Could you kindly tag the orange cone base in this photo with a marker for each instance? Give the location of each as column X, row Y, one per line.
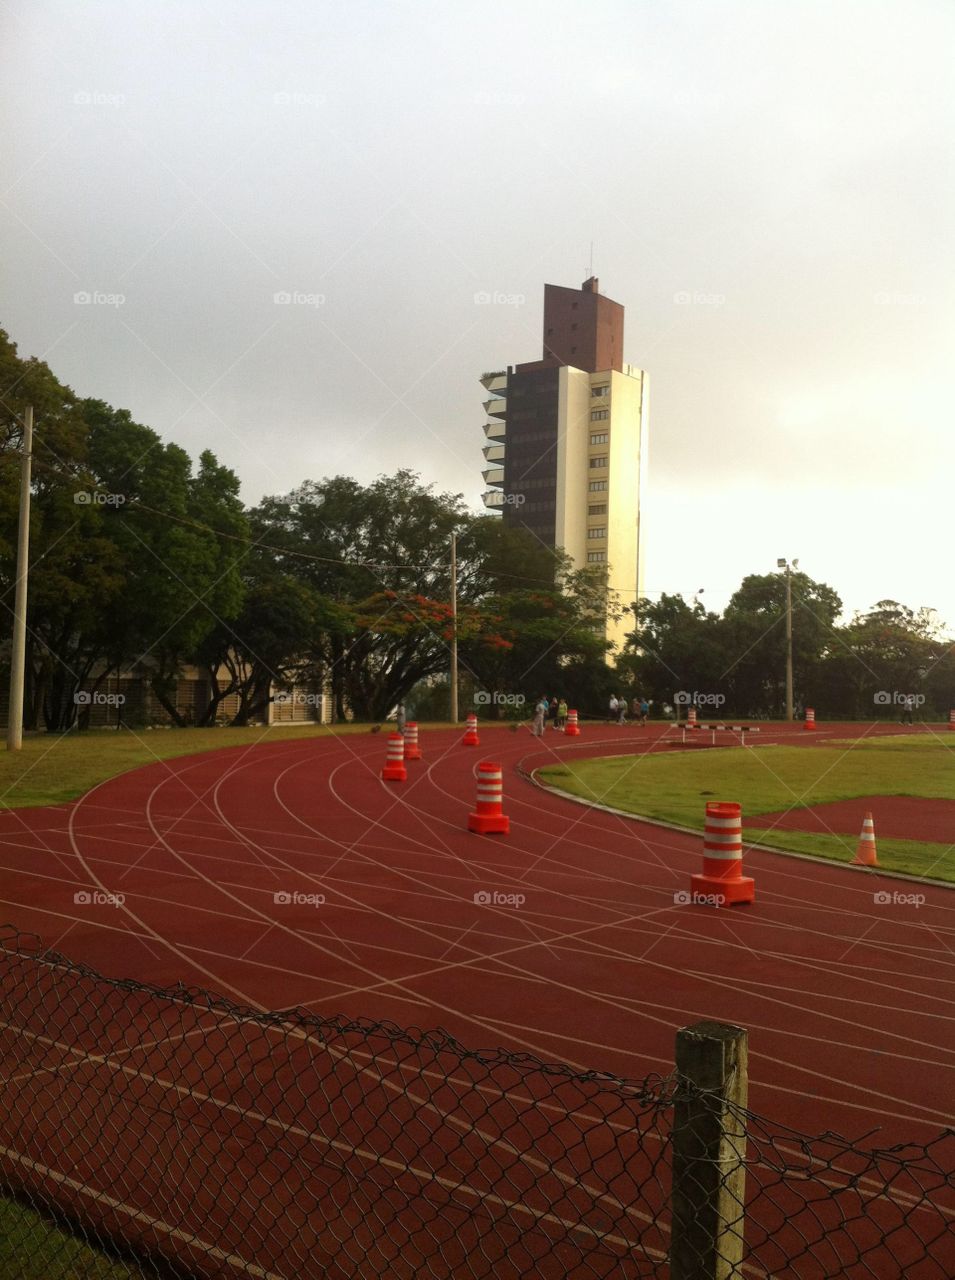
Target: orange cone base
column 575, row 732
column 412, row 753
column 732, row 892
column 470, row 740
column 865, row 856
column 394, row 773
column 489, row 824
column 810, row 727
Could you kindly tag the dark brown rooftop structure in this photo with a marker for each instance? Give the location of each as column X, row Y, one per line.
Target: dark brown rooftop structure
column 582, row 328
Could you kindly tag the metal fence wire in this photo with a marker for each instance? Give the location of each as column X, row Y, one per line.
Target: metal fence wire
column 163, row 1133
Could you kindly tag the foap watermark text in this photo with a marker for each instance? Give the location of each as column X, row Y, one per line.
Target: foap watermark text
column 686, row 698
column 95, row 298
column 496, row 698
column 688, row 298
column 295, row 697
column 684, row 898
column 98, row 898
column 289, row 898
column 485, row 298
column 92, row 498
column 494, row 898
column 83, row 698
column 896, row 899
column 297, row 298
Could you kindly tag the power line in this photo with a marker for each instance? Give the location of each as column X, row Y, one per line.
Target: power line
column 370, row 565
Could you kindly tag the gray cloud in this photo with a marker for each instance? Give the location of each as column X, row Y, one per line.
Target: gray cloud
column 200, row 158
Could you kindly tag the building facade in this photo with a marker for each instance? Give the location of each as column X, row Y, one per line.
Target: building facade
column 566, row 443
column 127, row 700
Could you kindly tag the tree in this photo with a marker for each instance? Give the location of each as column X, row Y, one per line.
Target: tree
column 355, row 544
column 676, row 648
column 754, row 636
column 270, row 644
column 76, row 571
column 125, row 565
column 542, row 640
column 882, row 657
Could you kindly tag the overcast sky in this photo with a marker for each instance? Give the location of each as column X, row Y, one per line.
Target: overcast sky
column 785, row 166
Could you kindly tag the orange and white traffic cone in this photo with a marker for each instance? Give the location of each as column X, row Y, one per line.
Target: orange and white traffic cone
column 865, row 853
column 722, row 882
column 471, row 738
column 810, row 719
column 489, row 817
column 572, row 728
column 691, row 718
column 412, row 750
column 951, row 720
column 394, row 769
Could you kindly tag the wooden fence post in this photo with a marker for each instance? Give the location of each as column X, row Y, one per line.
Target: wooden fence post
column 709, row 1147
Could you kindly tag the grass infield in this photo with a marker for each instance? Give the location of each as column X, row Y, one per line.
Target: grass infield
column 675, row 788
column 52, row 769
column 33, row 1248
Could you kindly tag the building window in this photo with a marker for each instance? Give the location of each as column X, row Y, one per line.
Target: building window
column 597, row 509
column 600, row 437
column 600, row 391
column 599, row 415
column 600, row 531
column 596, row 557
column 597, row 463
column 597, row 486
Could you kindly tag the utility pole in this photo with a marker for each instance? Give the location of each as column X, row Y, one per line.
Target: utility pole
column 454, row 628
column 18, row 654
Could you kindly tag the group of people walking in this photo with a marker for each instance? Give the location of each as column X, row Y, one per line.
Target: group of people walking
column 554, row 709
column 639, row 709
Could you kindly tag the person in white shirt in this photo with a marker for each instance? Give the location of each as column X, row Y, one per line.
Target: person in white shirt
column 540, row 718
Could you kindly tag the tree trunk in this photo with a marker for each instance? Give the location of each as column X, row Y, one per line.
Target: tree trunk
column 160, row 687
column 217, row 697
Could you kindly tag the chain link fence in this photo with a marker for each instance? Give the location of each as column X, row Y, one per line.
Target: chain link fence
column 171, row 1133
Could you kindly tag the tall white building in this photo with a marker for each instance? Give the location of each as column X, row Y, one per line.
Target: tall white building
column 566, row 450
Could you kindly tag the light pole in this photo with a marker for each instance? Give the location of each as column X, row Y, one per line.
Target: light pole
column 454, row 628
column 784, row 564
column 18, row 654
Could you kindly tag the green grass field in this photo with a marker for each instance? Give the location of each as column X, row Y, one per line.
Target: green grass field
column 33, row 1248
column 51, row 769
column 675, row 787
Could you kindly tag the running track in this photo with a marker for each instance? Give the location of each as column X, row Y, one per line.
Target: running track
column 849, row 1005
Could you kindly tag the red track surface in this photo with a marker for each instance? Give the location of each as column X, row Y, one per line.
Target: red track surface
column 848, row 1003
column 901, row 817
